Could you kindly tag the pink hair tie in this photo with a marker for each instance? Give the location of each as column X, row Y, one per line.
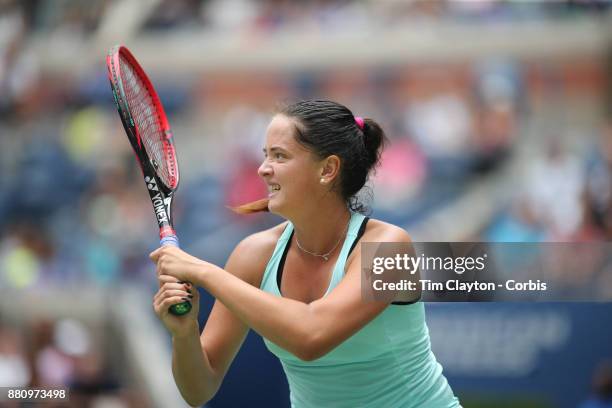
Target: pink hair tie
column 359, row 121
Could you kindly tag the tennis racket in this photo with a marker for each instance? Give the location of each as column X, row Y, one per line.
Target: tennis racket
column 147, row 129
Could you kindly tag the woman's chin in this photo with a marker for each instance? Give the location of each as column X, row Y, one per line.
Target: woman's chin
column 275, row 206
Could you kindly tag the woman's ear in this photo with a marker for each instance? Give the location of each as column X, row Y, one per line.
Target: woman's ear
column 330, row 169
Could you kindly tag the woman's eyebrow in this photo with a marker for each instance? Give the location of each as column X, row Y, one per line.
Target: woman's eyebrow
column 273, row 149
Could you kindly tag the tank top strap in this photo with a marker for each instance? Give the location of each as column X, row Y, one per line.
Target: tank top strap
column 353, row 233
column 268, row 281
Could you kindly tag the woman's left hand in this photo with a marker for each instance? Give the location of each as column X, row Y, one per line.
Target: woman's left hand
column 175, row 262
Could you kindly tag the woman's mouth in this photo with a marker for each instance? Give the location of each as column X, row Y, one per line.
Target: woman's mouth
column 273, row 189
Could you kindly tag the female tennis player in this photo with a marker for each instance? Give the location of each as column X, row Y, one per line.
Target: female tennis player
column 299, row 284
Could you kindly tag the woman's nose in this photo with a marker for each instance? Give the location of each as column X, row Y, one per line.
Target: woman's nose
column 264, row 169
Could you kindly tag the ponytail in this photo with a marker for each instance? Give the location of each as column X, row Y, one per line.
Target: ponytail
column 374, row 140
column 260, row 205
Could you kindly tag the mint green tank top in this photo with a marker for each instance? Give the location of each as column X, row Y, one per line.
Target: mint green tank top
column 386, row 364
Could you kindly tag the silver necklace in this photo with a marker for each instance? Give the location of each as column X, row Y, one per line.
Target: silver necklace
column 325, row 256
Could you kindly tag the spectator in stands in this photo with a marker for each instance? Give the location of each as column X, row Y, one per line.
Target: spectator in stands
column 602, row 388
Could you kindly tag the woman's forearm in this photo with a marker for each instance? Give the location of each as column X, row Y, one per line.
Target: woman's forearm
column 286, row 322
column 193, row 374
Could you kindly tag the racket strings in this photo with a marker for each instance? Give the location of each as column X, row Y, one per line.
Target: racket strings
column 148, row 123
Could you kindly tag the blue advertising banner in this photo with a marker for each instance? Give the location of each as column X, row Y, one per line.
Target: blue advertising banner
column 521, row 355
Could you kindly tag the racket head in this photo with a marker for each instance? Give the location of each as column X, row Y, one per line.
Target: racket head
column 143, row 117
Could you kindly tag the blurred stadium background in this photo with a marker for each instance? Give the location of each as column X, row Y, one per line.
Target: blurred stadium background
column 500, row 116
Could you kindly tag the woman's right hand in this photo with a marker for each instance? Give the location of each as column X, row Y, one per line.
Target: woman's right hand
column 172, row 292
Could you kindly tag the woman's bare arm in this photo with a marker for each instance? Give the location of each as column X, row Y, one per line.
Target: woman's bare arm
column 201, row 362
column 307, row 330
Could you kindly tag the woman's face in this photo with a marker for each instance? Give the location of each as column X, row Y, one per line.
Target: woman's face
column 290, row 171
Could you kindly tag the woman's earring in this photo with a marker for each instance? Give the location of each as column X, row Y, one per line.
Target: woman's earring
column 322, row 180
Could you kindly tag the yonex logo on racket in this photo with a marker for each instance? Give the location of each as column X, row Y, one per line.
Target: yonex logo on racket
column 151, row 184
column 159, row 204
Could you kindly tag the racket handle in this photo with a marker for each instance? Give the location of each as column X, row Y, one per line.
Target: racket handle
column 180, row 308
column 169, row 240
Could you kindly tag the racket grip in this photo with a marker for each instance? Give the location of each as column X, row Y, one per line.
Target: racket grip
column 169, row 240
column 180, row 308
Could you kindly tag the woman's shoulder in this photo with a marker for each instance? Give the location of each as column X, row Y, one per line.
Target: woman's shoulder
column 381, row 231
column 251, row 255
column 378, row 231
column 262, row 242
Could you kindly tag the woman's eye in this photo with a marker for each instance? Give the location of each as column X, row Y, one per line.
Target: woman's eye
column 278, row 156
